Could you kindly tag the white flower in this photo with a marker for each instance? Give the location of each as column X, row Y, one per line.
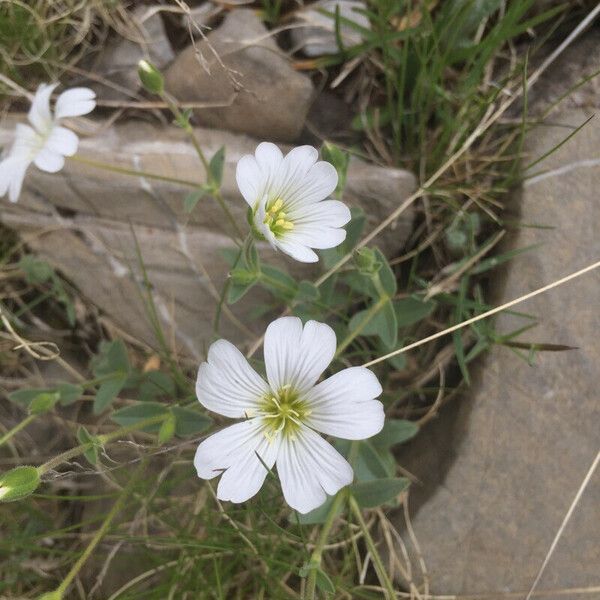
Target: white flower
column 283, row 415
column 45, row 143
column 287, row 198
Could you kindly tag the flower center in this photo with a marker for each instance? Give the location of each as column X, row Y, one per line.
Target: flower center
column 275, row 218
column 283, row 411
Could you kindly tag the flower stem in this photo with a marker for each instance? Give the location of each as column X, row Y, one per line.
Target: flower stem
column 102, row 439
column 133, row 172
column 16, row 429
column 117, row 506
column 215, row 185
column 317, row 553
column 372, row 312
column 377, row 562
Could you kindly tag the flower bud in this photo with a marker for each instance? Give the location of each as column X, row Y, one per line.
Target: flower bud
column 18, row 483
column 151, row 77
column 243, row 276
column 43, row 402
column 366, row 261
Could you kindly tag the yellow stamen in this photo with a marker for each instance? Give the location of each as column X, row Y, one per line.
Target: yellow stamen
column 275, row 218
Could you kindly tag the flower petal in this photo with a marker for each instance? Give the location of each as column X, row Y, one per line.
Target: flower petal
column 48, row 160
column 297, row 250
column 245, row 478
column 343, row 405
column 62, row 141
column 227, row 384
column 292, row 172
column 27, row 142
column 75, row 102
column 332, row 213
column 12, row 173
column 268, row 157
column 249, row 180
column 309, row 468
column 39, row 114
column 320, row 237
column 233, row 452
column 319, row 182
column 255, row 174
column 297, row 356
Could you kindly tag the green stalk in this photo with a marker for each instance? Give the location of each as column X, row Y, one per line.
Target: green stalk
column 102, row 439
column 317, row 553
column 216, row 192
column 135, row 173
column 379, row 568
column 16, row 429
column 357, row 331
column 117, row 506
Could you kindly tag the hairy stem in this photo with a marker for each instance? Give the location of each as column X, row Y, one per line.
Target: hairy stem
column 216, row 192
column 317, row 553
column 16, row 429
column 371, row 313
column 117, row 506
column 102, row 439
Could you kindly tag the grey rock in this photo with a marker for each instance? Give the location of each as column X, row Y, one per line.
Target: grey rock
column 315, row 34
column 87, row 223
column 500, row 467
column 118, row 59
column 245, row 81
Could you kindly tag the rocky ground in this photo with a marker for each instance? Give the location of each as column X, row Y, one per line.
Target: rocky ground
column 500, row 468
column 496, row 471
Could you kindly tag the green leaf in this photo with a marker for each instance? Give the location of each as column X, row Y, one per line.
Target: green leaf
column 369, row 494
column 111, row 359
column 242, row 280
column 369, row 463
column 167, row 429
column 36, row 271
column 322, row 580
column 382, row 323
column 130, row 415
column 307, row 292
column 155, row 384
column 318, row 515
column 324, row 583
column 26, row 397
column 215, row 166
column 398, row 361
column 189, row 422
column 386, row 275
column 354, row 231
column 18, row 483
column 69, row 393
column 107, row 392
column 339, row 159
column 190, row 201
column 412, row 310
column 85, row 437
column 43, row 402
column 395, row 431
column 278, row 282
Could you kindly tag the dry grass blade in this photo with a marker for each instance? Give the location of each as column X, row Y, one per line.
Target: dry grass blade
column 561, row 529
column 485, row 315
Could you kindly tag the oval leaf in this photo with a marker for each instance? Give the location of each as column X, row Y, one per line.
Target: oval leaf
column 370, row 494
